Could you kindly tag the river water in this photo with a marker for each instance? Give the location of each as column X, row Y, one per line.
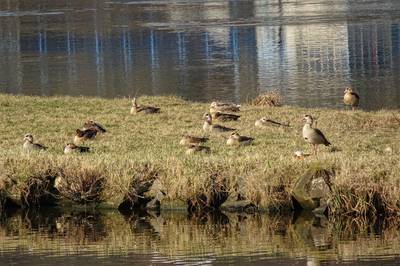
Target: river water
column 309, row 50
column 54, row 237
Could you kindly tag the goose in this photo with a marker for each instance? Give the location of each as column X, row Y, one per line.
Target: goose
column 72, row 148
column 208, row 126
column 224, row 117
column 265, row 122
column 90, row 124
column 145, row 109
column 83, row 135
column 29, row 145
column 188, row 140
column 224, row 107
column 351, row 98
column 312, row 135
column 236, row 139
column 196, row 149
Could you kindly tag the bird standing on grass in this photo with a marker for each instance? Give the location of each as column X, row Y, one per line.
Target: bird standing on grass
column 351, row 98
column 29, row 145
column 312, row 135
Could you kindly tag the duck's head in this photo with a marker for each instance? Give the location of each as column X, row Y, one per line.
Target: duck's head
column 70, row 146
column 308, row 119
column 348, row 90
column 235, row 135
column 28, row 137
column 207, row 117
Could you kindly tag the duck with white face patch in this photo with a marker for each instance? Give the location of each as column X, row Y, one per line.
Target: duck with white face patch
column 143, row 109
column 236, row 139
column 30, row 145
column 192, row 140
column 208, row 125
column 312, row 135
column 351, row 98
column 72, row 148
column 224, row 107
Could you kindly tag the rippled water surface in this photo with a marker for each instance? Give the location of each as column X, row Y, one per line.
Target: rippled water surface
column 202, row 50
column 91, row 238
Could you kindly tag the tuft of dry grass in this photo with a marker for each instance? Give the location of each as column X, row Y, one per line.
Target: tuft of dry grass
column 81, row 185
column 263, row 173
column 270, row 98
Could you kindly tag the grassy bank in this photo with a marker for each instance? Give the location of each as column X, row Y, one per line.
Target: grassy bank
column 360, row 160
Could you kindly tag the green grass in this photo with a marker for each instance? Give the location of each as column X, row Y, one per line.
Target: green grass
column 134, row 140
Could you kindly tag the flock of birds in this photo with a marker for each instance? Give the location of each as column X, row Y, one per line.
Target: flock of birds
column 219, row 111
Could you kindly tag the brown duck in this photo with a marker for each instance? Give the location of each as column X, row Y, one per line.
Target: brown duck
column 72, row 148
column 144, row 109
column 30, row 145
column 191, row 149
column 83, row 135
column 312, row 135
column 224, row 117
column 351, row 98
column 224, row 107
column 90, row 124
column 236, row 139
column 208, row 126
column 192, row 140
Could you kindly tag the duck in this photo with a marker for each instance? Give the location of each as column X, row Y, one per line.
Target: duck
column 191, row 149
column 208, row 126
column 236, row 139
column 192, row 140
column 72, row 148
column 312, row 135
column 145, row 109
column 265, row 122
column 83, row 135
column 224, row 116
column 224, row 107
column 90, row 124
column 29, row 145
column 351, row 98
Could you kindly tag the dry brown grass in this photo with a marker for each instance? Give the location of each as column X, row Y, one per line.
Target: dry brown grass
column 270, row 98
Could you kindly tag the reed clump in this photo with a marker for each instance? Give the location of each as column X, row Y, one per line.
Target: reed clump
column 142, row 182
column 39, row 190
column 270, row 98
column 81, row 186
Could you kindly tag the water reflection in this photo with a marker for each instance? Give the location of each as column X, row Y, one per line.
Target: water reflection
column 203, row 50
column 174, row 237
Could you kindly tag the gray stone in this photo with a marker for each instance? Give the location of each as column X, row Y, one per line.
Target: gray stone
column 312, row 190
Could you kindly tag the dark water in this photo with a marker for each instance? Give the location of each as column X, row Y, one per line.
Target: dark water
column 202, row 50
column 54, row 237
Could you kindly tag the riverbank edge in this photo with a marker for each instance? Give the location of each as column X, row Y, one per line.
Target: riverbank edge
column 211, row 196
